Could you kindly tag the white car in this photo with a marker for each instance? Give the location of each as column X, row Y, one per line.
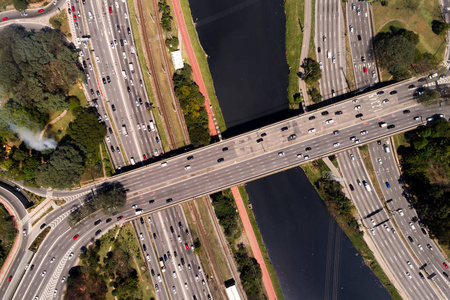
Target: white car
column 336, row 144
column 351, row 28
column 187, row 167
column 148, row 257
column 372, row 221
column 106, row 117
column 43, row 273
column 357, row 107
column 70, row 256
column 141, row 236
column 412, row 225
column 179, row 239
column 196, row 277
column 387, row 228
column 385, row 100
column 126, row 16
column 52, row 260
column 131, row 82
column 117, row 5
column 138, row 126
column 97, row 59
column 174, row 274
column 352, row 156
column 186, row 286
column 133, row 51
column 159, row 278
column 320, row 64
column 312, row 130
column 372, row 230
column 134, row 206
column 125, row 41
column 357, row 141
column 364, row 132
column 90, row 67
column 306, row 157
column 334, row 59
column 329, row 121
column 174, row 290
column 355, row 100
column 299, row 155
column 400, row 211
column 54, row 292
column 409, row 275
column 380, row 161
column 281, row 153
column 63, row 279
column 420, row 246
column 179, row 267
column 410, row 264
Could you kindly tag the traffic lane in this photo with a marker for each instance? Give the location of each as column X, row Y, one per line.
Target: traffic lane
column 15, row 198
column 390, row 245
column 33, row 13
column 431, row 257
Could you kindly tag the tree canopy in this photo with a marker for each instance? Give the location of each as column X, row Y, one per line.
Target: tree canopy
column 86, row 129
column 312, row 71
column 429, row 97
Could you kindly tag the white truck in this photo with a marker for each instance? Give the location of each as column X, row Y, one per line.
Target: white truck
column 124, row 74
column 124, row 130
column 367, row 186
column 131, row 67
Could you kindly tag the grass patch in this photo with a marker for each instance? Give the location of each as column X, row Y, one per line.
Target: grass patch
column 35, row 198
column 418, row 20
column 333, row 159
column 61, row 23
column 348, row 224
column 77, row 91
column 39, row 239
column 270, row 269
column 212, row 240
column 109, row 170
column 349, row 74
column 58, row 129
column 143, row 64
column 44, row 214
column 295, row 14
column 312, row 46
column 364, row 151
column 203, row 64
column 8, row 233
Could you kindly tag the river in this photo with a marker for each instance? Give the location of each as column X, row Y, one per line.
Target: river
column 313, row 258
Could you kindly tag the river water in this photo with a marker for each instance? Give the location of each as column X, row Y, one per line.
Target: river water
column 313, row 258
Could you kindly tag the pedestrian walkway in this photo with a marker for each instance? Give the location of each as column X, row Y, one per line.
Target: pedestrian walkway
column 253, row 243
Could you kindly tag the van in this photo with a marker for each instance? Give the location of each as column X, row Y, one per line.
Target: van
column 124, row 55
column 132, row 161
column 328, row 54
column 386, row 148
column 124, row 74
column 382, row 124
column 90, row 15
column 152, row 126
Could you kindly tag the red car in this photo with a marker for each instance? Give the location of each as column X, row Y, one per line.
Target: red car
column 75, row 237
column 5, row 19
column 40, row 11
column 119, row 218
column 73, row 9
column 445, row 265
column 144, row 157
column 110, row 10
column 9, row 279
column 186, row 245
column 365, row 70
column 75, row 17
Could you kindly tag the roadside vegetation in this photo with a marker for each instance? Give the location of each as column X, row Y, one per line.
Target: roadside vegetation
column 8, row 233
column 111, row 269
column 426, row 170
column 37, row 73
column 39, row 239
column 249, row 269
column 294, row 37
column 192, row 102
column 343, row 211
column 408, row 26
column 61, row 22
column 110, row 200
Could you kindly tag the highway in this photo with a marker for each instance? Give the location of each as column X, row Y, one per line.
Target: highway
column 330, row 39
column 360, row 38
column 374, row 219
column 399, row 209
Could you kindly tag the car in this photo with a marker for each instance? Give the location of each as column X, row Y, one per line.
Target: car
column 423, row 230
column 308, row 149
column 412, row 225
column 378, row 142
column 420, row 246
column 393, row 92
column 284, row 128
column 351, row 28
column 306, row 157
column 281, row 153
column 125, row 42
column 189, row 267
column 429, row 247
column 329, row 121
column 357, row 141
column 386, row 227
column 299, row 155
column 108, row 79
column 421, row 275
column 203, row 282
column 156, row 288
column 75, row 237
column 186, row 246
column 125, row 15
column 358, row 181
column 385, row 101
column 357, row 107
column 355, row 100
column 224, row 149
column 352, row 157
column 320, row 65
column 292, row 137
column 445, row 274
column 311, row 130
column 52, row 259
column 110, row 10
column 410, row 239
column 138, row 126
column 169, row 200
column 10, row 278
column 365, row 70
column 104, row 80
column 128, row 89
column 364, row 132
column 190, row 157
column 43, row 273
column 374, row 74
column 351, row 187
column 380, row 92
column 97, row 59
column 220, row 160
column 324, row 113
column 334, row 59
column 318, row 49
column 388, row 185
column 336, row 144
column 408, row 274
column 380, row 161
column 337, row 113
column 442, row 76
column 92, row 92
column 40, row 11
column 179, row 267
column 336, row 132
column 391, row 126
column 412, row 86
column 406, row 111
column 358, row 11
column 259, row 140
column 359, row 116
column 352, row 138
column 445, row 265
column 187, row 167
column 417, row 118
column 174, row 290
column 393, row 230
column 63, row 279
column 144, row 157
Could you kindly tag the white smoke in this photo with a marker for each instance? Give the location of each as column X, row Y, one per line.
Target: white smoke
column 32, row 139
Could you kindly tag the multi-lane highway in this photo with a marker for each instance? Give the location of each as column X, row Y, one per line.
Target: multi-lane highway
column 360, row 38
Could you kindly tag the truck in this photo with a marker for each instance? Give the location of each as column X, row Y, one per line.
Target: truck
column 161, row 264
column 152, row 126
column 124, row 130
column 131, row 67
column 367, row 186
column 124, row 74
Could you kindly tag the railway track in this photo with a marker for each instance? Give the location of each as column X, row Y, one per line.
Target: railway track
column 168, row 128
column 167, row 66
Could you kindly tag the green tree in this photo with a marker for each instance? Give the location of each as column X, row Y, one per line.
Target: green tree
column 429, row 97
column 64, row 168
column 312, row 71
column 112, row 201
column 20, row 5
column 86, row 129
column 315, row 95
column 394, row 50
column 439, row 27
